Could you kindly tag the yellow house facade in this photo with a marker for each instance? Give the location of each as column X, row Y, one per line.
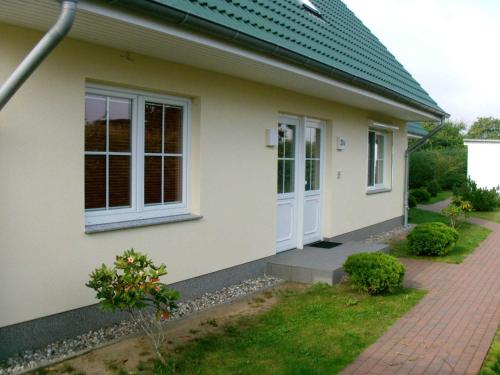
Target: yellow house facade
column 210, row 157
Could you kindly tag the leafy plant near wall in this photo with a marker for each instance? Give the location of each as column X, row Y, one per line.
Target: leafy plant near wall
column 480, row 198
column 456, row 210
column 133, row 285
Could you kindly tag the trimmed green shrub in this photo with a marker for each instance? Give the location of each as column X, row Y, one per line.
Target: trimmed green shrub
column 375, row 273
column 434, row 239
column 421, row 195
column 433, row 188
column 412, row 201
column 480, row 199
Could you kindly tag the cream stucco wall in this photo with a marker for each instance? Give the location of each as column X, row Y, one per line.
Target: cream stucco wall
column 46, row 256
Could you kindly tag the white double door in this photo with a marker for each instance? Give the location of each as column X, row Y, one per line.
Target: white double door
column 300, row 166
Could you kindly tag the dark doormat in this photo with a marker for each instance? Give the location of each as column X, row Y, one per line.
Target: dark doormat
column 325, row 244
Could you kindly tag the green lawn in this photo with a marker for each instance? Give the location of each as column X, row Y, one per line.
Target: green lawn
column 470, row 236
column 491, row 216
column 441, row 196
column 317, row 331
column 491, row 364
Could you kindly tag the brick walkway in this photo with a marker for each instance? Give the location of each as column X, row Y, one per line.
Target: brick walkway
column 451, row 329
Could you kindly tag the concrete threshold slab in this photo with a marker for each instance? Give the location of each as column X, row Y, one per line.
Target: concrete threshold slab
column 312, row 265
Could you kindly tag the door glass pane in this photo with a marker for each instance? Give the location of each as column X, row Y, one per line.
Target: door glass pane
column 371, row 158
column 172, row 187
column 119, row 181
column 153, row 127
column 286, row 159
column 281, row 140
column 173, row 130
column 289, row 185
column 119, row 124
column 315, row 169
column 95, row 123
column 315, row 143
column 95, row 181
column 308, row 175
column 289, row 141
column 281, row 169
column 152, row 179
column 307, row 138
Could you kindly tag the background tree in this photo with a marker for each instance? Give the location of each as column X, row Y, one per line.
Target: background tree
column 451, row 136
column 443, row 159
column 485, row 128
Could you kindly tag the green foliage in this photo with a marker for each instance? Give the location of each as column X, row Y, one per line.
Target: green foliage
column 133, row 283
column 433, row 188
column 485, row 128
column 470, row 236
column 421, row 195
column 412, row 201
column 317, row 331
column 456, row 210
column 447, row 166
column 375, row 273
column 434, row 239
column 422, row 168
column 450, row 137
column 482, row 199
column 491, row 365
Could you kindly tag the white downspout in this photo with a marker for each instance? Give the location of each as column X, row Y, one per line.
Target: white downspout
column 50, row 40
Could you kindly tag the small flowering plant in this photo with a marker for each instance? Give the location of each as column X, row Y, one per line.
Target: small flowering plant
column 133, row 285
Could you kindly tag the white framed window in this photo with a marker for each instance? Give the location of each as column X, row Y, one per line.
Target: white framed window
column 377, row 159
column 136, row 155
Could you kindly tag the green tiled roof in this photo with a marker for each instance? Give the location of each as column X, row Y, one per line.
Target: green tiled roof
column 416, row 128
column 337, row 39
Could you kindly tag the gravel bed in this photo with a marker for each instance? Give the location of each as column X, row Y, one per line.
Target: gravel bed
column 60, row 350
column 387, row 237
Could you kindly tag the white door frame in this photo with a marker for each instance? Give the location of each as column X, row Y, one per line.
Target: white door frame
column 300, row 173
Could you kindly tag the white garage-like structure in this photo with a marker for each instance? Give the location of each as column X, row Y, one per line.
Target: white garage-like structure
column 483, row 165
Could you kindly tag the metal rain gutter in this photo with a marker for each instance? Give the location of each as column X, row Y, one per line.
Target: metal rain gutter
column 38, row 54
column 196, row 23
column 408, row 152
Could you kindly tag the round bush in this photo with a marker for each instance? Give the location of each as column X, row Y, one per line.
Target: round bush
column 412, row 201
column 435, row 239
column 421, row 195
column 433, row 188
column 375, row 273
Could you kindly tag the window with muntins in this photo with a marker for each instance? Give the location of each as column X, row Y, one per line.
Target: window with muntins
column 376, row 158
column 135, row 156
column 286, row 158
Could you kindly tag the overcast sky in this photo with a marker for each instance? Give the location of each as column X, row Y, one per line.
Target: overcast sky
column 452, row 47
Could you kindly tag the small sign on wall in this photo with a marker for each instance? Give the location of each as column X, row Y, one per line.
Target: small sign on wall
column 341, row 143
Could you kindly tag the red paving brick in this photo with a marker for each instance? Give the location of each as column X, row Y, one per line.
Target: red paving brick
column 451, row 329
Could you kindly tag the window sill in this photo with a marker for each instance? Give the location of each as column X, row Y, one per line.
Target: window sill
column 378, row 191
column 98, row 228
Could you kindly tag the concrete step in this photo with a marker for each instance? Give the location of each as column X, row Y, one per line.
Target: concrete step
column 313, row 265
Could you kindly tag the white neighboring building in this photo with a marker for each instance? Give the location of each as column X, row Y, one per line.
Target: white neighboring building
column 483, row 165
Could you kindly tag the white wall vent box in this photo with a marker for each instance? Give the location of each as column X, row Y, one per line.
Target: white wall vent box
column 272, row 137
